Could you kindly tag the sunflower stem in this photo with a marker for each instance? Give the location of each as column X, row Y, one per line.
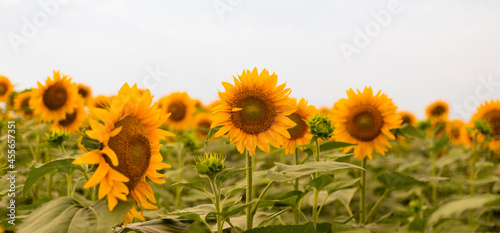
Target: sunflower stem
column 178, row 190
column 296, row 188
column 316, row 192
column 374, row 207
column 434, row 183
column 69, row 179
column 362, row 202
column 473, row 172
column 249, row 164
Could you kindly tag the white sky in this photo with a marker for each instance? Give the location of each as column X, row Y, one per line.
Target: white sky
column 430, row 50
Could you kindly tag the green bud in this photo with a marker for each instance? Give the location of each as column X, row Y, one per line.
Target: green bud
column 483, row 127
column 189, row 139
column 424, row 125
column 56, row 137
column 210, row 164
column 321, row 127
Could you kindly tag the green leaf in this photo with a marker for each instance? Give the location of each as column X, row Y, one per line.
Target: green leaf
column 396, row 180
column 226, row 174
column 197, row 213
column 198, row 185
column 271, row 217
column 306, row 228
column 211, row 133
column 233, row 189
column 333, row 145
column 345, row 195
column 291, row 198
column 343, row 228
column 453, row 209
column 58, row 165
column 440, row 143
column 409, row 131
column 320, row 182
column 35, row 204
column 290, row 172
column 418, row 224
column 163, row 225
column 67, row 215
column 340, row 184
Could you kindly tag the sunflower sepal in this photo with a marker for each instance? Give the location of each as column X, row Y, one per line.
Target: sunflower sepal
column 321, row 128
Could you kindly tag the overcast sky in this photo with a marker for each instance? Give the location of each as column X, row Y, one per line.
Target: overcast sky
column 415, row 51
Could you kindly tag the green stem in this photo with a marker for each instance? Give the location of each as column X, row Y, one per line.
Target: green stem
column 473, row 172
column 178, row 190
column 218, row 207
column 69, row 179
column 434, row 182
column 296, row 188
column 363, row 192
column 249, row 194
column 316, row 192
column 376, row 205
column 254, row 209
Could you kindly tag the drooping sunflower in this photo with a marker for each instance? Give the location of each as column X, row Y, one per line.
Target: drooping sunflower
column 253, row 112
column 55, row 99
column 437, row 111
column 22, row 104
column 489, row 111
column 457, row 132
column 201, row 124
column 85, row 92
column 299, row 134
column 181, row 108
column 5, row 88
column 130, row 137
column 366, row 120
column 73, row 121
column 407, row 118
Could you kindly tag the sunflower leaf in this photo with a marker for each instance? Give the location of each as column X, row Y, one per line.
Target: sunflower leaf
column 156, row 226
column 396, row 180
column 340, row 184
column 198, row 185
column 211, row 133
column 331, row 145
column 290, row 172
column 35, row 173
column 321, row 182
column 409, row 131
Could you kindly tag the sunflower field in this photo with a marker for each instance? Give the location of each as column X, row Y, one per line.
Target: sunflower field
column 256, row 160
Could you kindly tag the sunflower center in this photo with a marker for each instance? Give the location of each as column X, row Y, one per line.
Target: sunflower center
column 204, row 126
column 83, row 92
column 299, row 130
column 132, row 148
column 70, row 118
column 25, row 106
column 406, row 120
column 365, row 123
column 178, row 111
column 494, row 119
column 257, row 114
column 438, row 110
column 455, row 133
column 3, row 88
column 55, row 96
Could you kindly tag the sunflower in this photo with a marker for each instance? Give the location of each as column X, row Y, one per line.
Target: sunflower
column 5, row 88
column 73, row 121
column 299, row 134
column 365, row 120
column 407, row 118
column 325, row 111
column 437, row 111
column 101, row 101
column 456, row 132
column 130, row 149
column 55, row 99
column 182, row 109
column 201, row 124
column 253, row 111
column 85, row 92
column 490, row 111
column 21, row 104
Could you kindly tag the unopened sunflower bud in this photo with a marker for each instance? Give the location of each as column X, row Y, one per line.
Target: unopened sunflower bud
column 321, row 127
column 210, row 164
column 483, row 127
column 424, row 125
column 56, row 137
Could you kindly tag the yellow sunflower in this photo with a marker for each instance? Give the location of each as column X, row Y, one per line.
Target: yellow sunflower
column 5, row 88
column 325, row 111
column 457, row 132
column 85, row 92
column 366, row 120
column 182, row 109
column 437, row 111
column 73, row 121
column 130, row 137
column 101, row 101
column 21, row 104
column 201, row 124
column 299, row 134
column 253, row 111
column 55, row 99
column 490, row 111
column 407, row 118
